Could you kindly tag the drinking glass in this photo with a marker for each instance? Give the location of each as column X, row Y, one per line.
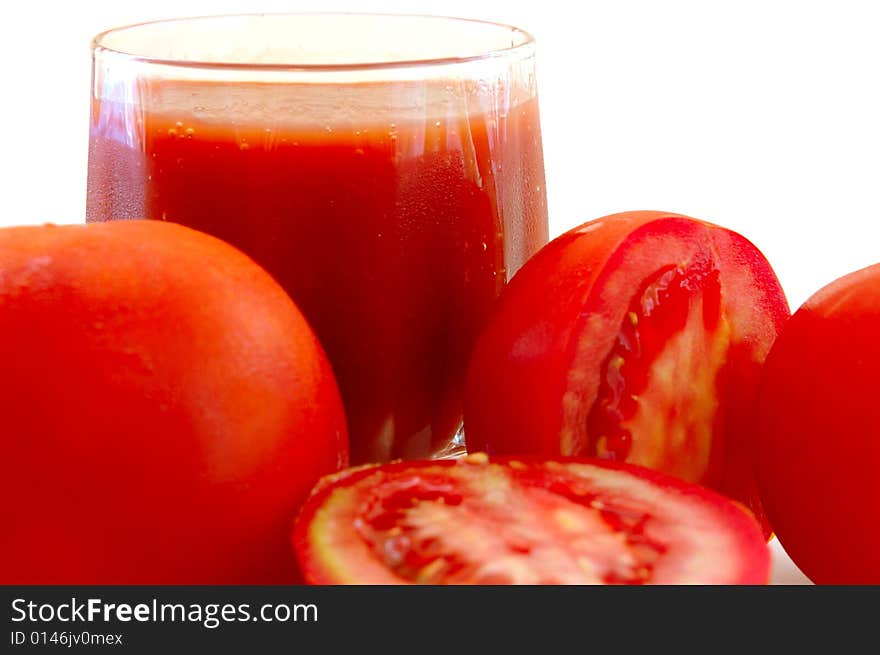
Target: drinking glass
column 387, row 170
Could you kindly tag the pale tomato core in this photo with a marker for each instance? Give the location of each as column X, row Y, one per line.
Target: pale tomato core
column 522, row 521
column 657, row 402
column 509, row 532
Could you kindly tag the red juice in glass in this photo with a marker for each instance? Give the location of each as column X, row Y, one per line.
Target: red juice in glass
column 392, row 207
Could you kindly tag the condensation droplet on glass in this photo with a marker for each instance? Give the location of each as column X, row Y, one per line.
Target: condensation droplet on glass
column 190, row 132
column 485, row 246
column 172, row 131
column 199, row 108
column 244, row 145
column 437, row 124
column 179, row 124
column 328, row 129
column 359, row 151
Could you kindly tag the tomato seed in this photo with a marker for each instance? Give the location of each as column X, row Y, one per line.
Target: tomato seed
column 657, row 311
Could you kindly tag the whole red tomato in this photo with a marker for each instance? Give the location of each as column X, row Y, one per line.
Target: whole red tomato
column 637, row 337
column 523, row 521
column 165, row 409
column 818, row 436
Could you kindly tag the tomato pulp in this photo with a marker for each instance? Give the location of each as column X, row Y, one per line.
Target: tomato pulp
column 523, row 521
column 394, row 233
column 638, row 337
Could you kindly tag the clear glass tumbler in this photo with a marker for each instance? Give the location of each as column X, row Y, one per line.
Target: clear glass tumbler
column 386, row 170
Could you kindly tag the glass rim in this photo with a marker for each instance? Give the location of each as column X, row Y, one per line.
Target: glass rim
column 527, row 43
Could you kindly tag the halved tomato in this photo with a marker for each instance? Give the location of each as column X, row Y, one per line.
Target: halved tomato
column 637, row 337
column 523, row 521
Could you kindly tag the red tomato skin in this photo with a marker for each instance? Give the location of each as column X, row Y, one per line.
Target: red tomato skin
column 520, row 396
column 165, row 409
column 534, row 345
column 755, row 556
column 817, row 427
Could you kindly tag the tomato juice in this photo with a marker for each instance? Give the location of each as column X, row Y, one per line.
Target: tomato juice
column 393, row 214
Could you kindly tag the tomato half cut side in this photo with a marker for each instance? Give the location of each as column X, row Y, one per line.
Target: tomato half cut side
column 639, row 338
column 524, row 521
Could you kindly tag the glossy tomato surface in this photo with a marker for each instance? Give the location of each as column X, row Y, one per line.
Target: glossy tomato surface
column 637, row 337
column 165, row 409
column 524, row 521
column 818, row 429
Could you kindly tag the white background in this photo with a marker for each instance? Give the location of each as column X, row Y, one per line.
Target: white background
column 762, row 116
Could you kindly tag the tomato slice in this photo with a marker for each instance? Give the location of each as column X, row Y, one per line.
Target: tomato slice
column 524, row 521
column 637, row 338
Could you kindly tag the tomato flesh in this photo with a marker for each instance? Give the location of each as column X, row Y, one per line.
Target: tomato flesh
column 521, row 521
column 638, row 337
column 658, row 312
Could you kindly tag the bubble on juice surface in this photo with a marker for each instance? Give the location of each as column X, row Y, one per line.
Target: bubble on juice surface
column 314, row 105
